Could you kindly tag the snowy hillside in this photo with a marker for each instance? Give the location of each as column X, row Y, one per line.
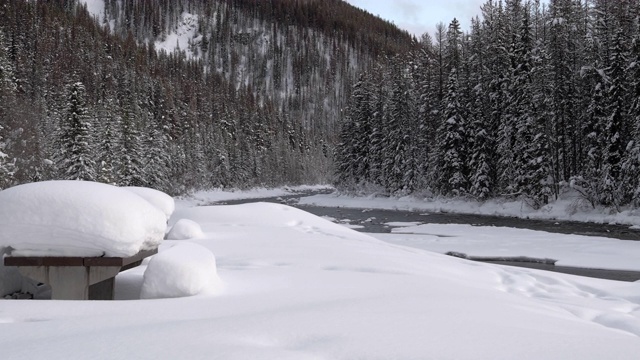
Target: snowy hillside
column 280, row 51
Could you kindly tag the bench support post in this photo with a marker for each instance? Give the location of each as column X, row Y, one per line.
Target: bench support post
column 77, row 278
column 73, row 282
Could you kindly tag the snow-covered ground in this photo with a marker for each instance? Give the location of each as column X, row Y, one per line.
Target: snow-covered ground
column 291, row 285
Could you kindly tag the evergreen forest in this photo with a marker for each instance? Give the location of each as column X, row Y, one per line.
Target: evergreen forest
column 252, row 97
column 533, row 101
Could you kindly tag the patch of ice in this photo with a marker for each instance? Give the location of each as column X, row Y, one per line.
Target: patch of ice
column 403, row 223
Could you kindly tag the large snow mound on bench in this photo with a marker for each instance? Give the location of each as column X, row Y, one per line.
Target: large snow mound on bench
column 186, row 269
column 77, row 218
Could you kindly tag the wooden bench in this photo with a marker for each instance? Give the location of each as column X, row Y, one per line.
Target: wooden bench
column 77, row 278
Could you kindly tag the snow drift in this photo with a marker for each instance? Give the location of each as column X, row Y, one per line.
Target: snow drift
column 184, row 270
column 160, row 200
column 185, row 229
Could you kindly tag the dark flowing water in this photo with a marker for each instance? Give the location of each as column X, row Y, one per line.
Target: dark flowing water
column 374, row 220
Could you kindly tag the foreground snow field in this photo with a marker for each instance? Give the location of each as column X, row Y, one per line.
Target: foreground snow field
column 296, row 286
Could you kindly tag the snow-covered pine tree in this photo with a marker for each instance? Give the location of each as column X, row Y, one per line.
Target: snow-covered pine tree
column 565, row 36
column 425, row 74
column 452, row 138
column 519, row 110
column 108, row 125
column 75, row 157
column 453, row 49
column 411, row 160
column 507, row 167
column 452, row 178
column 156, row 142
column 541, row 182
column 352, row 152
column 7, row 89
column 376, row 139
column 7, row 81
column 616, row 137
column 588, row 182
column 497, row 64
column 131, row 154
column 526, row 109
column 398, row 164
column 481, row 182
column 631, row 162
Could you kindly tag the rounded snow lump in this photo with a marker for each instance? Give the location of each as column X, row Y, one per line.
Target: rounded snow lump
column 185, row 229
column 157, row 198
column 183, row 270
column 77, row 218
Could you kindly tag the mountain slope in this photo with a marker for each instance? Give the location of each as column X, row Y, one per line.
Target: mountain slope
column 303, row 55
column 249, row 100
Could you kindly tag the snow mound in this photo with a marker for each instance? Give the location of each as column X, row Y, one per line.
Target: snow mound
column 183, row 270
column 185, row 229
column 157, row 198
column 77, row 218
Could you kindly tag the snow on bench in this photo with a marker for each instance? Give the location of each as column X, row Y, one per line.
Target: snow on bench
column 75, row 235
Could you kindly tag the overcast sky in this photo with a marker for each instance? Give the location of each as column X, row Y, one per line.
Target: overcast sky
column 420, row 16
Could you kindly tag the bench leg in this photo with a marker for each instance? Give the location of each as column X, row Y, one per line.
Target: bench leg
column 67, row 282
column 103, row 290
column 73, row 282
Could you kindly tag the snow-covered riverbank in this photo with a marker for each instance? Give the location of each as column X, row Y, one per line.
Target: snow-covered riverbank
column 570, row 207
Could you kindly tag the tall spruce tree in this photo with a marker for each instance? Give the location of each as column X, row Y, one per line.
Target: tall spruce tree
column 562, row 52
column 616, row 126
column 631, row 163
column 452, row 179
column 481, row 183
column 156, row 142
column 131, row 154
column 75, row 157
column 399, row 163
column 352, row 158
column 425, row 73
column 378, row 127
column 495, row 94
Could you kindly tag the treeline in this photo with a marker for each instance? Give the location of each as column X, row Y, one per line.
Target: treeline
column 532, row 101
